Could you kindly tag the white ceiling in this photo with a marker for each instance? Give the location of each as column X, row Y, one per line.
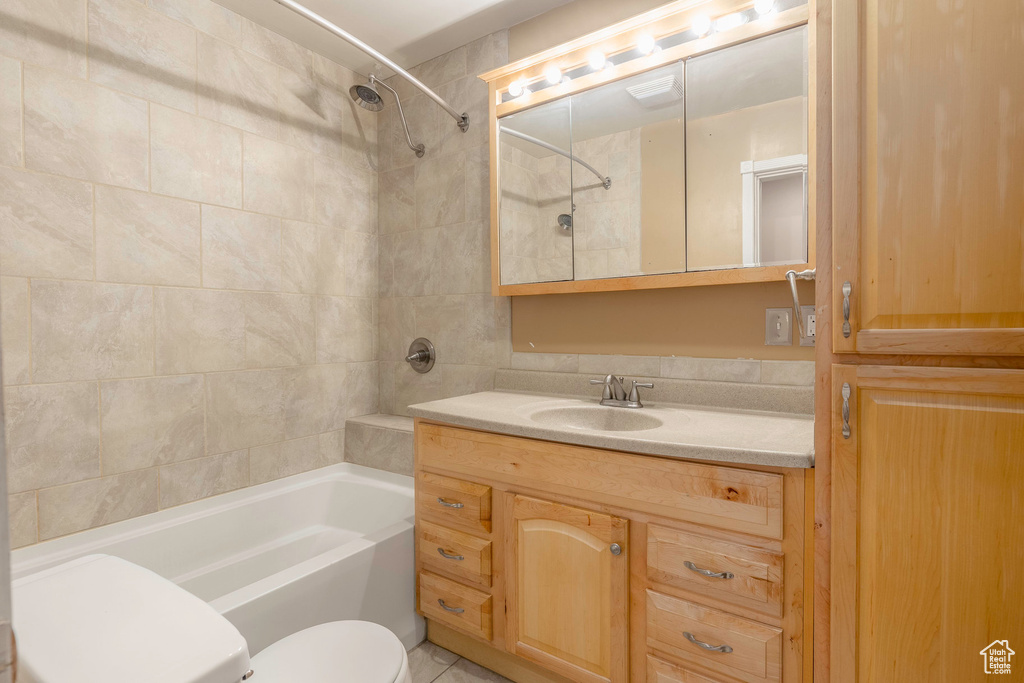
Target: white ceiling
column 408, row 31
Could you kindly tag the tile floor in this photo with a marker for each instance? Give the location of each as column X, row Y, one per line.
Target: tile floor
column 433, row 664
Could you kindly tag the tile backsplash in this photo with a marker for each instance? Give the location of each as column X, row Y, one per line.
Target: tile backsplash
column 741, row 370
column 188, row 258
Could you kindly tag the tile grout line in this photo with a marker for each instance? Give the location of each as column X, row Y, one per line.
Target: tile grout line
column 21, row 74
column 94, row 250
column 36, row 498
column 99, row 424
column 28, row 314
column 438, row 676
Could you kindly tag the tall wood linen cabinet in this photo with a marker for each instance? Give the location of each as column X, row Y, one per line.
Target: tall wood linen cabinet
column 926, row 548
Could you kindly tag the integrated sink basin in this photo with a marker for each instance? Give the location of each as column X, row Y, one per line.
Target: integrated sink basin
column 597, row 418
column 667, row 430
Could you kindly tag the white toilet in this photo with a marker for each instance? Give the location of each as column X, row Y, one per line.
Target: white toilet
column 101, row 619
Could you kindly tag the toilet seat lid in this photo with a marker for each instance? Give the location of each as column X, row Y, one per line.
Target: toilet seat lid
column 100, row 619
column 336, row 652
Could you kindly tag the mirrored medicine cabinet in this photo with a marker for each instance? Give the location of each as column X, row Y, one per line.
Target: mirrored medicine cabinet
column 685, row 166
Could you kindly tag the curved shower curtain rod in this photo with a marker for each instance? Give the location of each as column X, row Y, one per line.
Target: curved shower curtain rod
column 461, row 119
column 605, row 180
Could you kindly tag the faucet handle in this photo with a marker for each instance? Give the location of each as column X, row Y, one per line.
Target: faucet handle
column 607, row 382
column 634, row 395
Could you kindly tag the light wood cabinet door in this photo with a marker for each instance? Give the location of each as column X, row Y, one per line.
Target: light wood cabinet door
column 928, row 523
column 567, row 593
column 928, row 225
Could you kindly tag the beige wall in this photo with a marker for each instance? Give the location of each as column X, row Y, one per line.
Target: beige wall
column 723, row 321
column 188, row 254
column 715, row 322
column 717, row 145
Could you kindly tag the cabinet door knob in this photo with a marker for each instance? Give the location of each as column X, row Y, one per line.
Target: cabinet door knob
column 616, row 549
column 707, row 572
column 710, row 648
column 453, row 610
column 450, row 557
column 444, row 502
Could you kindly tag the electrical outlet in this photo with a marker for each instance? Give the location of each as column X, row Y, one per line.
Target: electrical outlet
column 809, row 322
column 778, row 327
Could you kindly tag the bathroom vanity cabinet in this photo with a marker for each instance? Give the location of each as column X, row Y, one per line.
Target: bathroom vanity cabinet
column 553, row 562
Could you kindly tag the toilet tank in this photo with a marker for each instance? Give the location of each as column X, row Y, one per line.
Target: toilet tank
column 101, row 619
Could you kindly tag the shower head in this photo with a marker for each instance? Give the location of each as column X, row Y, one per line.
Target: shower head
column 565, row 221
column 366, row 96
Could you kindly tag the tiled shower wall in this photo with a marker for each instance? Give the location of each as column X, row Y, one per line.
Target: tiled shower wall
column 188, row 252
column 435, row 235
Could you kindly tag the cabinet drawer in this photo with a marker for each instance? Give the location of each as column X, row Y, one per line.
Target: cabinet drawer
column 756, row 649
column 458, row 606
column 660, row 671
column 454, row 502
column 752, row 576
column 722, row 497
column 464, row 556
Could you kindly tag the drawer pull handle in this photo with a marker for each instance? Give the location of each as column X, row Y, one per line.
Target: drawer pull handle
column 444, row 502
column 710, row 648
column 707, row 572
column 459, row 610
column 446, row 556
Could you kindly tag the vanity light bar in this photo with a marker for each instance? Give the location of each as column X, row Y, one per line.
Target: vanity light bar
column 701, row 27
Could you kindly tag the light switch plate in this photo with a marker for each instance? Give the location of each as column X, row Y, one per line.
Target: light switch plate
column 778, row 327
column 809, row 322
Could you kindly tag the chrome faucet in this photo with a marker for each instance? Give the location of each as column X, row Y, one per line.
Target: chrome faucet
column 614, row 393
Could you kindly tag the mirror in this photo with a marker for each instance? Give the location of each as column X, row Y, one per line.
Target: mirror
column 695, row 165
column 631, row 131
column 535, row 195
column 746, row 154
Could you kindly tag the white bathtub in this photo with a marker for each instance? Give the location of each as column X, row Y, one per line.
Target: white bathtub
column 335, row 543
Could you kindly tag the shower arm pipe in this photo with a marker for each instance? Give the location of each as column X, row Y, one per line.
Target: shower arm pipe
column 419, row 149
column 605, row 180
column 461, row 119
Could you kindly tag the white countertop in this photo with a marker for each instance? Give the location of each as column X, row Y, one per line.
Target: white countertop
column 691, row 432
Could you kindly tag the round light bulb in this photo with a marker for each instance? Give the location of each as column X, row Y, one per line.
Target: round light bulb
column 763, row 7
column 701, row 24
column 515, row 88
column 596, row 59
column 553, row 75
column 646, row 44
column 729, row 21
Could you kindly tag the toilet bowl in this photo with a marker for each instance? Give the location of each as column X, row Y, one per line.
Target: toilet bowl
column 101, row 619
column 356, row 651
